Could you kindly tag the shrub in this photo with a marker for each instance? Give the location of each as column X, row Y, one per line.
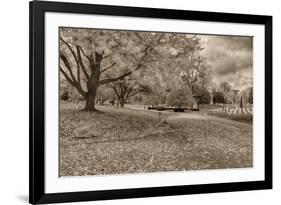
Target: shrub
column 178, row 110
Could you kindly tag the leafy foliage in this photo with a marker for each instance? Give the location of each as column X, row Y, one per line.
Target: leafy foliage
column 180, row 97
column 218, row 97
column 88, row 57
column 226, row 90
column 91, row 58
column 104, row 93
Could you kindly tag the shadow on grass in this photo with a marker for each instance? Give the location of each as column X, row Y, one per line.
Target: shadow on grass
column 92, row 111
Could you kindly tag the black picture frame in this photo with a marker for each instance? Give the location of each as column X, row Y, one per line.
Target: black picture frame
column 37, row 193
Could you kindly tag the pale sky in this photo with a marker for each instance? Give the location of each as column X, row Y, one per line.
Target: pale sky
column 231, row 59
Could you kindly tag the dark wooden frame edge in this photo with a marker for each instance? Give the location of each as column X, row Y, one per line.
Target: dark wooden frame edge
column 37, row 193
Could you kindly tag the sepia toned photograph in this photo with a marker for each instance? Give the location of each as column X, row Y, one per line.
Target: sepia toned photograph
column 145, row 102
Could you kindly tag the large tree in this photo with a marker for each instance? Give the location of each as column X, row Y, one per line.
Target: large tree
column 225, row 88
column 87, row 55
column 179, row 97
column 197, row 73
column 164, row 75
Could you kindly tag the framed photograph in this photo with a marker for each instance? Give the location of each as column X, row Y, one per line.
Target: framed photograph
column 130, row 102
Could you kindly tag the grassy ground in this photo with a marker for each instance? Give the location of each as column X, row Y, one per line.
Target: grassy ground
column 118, row 141
column 247, row 118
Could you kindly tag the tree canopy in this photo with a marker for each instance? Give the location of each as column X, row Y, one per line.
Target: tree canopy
column 131, row 62
column 179, row 97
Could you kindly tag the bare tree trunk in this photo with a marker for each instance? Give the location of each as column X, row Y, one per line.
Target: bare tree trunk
column 90, row 99
column 122, row 102
column 212, row 99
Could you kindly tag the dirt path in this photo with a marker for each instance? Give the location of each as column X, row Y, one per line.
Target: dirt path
column 172, row 117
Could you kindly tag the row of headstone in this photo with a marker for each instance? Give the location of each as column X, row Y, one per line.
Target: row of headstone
column 235, row 111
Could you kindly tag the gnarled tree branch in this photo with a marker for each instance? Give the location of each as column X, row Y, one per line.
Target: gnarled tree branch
column 104, row 81
column 84, row 54
column 73, row 83
column 70, row 48
column 107, row 68
column 67, row 65
column 81, row 63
